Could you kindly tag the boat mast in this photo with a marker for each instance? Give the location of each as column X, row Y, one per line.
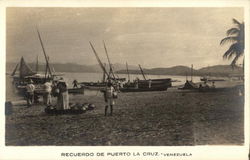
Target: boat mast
column 192, row 73
column 47, row 69
column 37, row 64
column 99, row 61
column 104, row 75
column 46, row 57
column 127, row 71
column 186, row 76
column 110, row 66
column 142, row 72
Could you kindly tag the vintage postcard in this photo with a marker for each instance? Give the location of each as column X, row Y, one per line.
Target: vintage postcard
column 131, row 80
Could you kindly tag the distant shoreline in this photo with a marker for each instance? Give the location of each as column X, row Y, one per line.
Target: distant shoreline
column 214, row 71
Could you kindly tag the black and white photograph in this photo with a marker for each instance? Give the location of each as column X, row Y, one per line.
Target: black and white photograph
column 125, row 76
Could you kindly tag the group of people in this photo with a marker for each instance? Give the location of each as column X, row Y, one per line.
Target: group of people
column 59, row 89
column 50, row 88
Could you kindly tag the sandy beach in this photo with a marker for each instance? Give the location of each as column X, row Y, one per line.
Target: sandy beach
column 168, row 118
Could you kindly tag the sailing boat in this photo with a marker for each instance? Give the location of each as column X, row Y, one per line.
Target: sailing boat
column 146, row 85
column 189, row 85
column 106, row 75
column 50, row 75
column 24, row 71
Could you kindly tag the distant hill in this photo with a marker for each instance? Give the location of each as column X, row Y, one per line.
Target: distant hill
column 70, row 67
column 218, row 70
column 176, row 70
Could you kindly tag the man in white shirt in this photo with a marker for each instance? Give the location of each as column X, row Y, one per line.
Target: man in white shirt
column 109, row 93
column 47, row 93
column 30, row 88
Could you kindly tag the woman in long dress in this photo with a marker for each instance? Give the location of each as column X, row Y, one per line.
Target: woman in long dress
column 63, row 96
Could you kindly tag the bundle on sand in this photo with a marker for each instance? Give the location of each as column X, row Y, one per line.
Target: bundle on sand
column 74, row 109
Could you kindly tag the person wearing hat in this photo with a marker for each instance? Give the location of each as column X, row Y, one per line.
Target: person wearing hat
column 30, row 88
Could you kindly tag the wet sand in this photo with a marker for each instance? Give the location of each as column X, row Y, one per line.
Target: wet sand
column 169, row 118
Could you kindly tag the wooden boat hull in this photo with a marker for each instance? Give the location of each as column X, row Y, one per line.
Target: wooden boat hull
column 212, row 79
column 76, row 90
column 40, row 91
column 143, row 85
column 222, row 89
column 94, row 87
column 143, row 89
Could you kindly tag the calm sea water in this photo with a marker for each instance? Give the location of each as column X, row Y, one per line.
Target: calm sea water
column 11, row 93
column 94, row 77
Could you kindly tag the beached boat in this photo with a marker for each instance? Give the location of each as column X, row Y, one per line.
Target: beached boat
column 212, row 86
column 21, row 79
column 147, row 85
column 93, row 85
column 26, row 74
column 222, row 89
column 106, row 75
column 189, row 85
column 211, row 79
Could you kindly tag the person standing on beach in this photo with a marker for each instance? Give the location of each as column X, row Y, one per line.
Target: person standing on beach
column 63, row 96
column 136, row 83
column 109, row 97
column 47, row 93
column 75, row 83
column 30, row 88
column 149, row 83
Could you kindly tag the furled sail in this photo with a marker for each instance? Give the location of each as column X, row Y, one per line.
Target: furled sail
column 14, row 71
column 24, row 69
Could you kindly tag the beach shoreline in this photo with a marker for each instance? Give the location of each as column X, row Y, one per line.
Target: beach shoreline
column 167, row 118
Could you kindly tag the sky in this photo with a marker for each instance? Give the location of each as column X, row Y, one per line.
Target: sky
column 152, row 37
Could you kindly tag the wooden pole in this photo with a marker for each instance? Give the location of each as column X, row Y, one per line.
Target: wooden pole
column 46, row 58
column 127, row 71
column 110, row 66
column 142, row 72
column 104, row 76
column 192, row 73
column 99, row 61
column 37, row 64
